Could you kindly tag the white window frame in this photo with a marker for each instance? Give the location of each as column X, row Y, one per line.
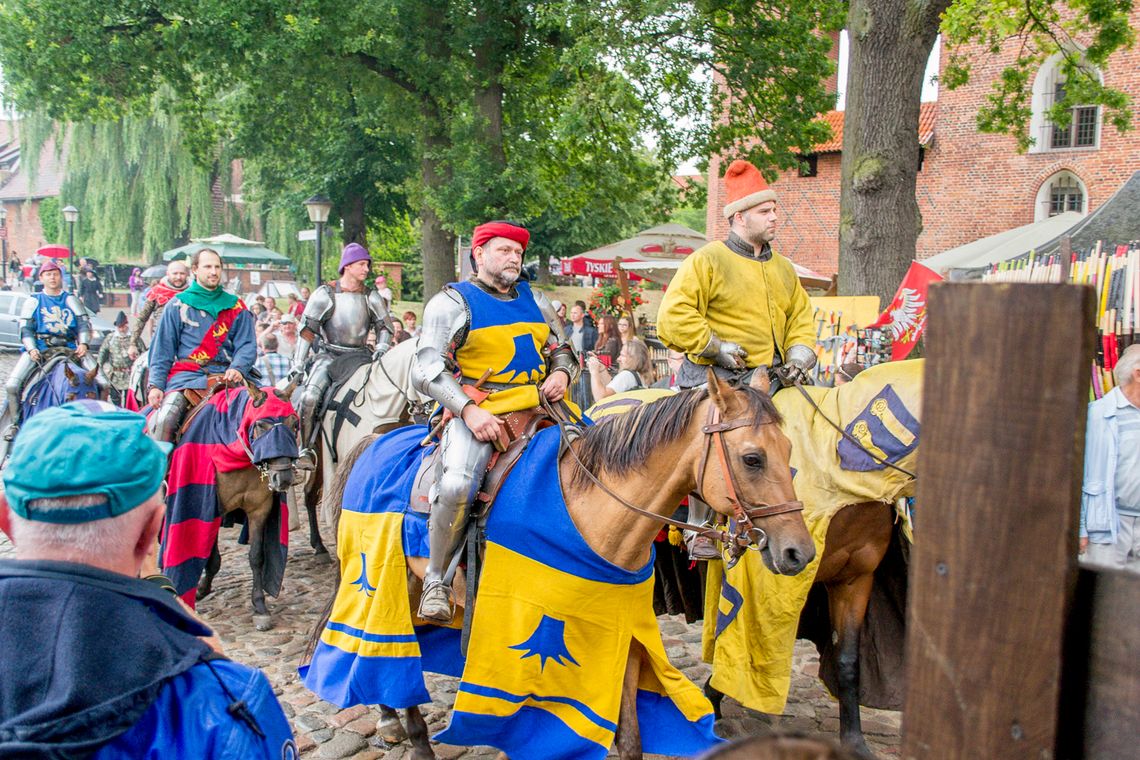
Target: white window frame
column 1043, row 205
column 1041, row 129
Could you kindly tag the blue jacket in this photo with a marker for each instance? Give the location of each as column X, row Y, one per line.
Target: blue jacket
column 99, row 664
column 180, row 332
column 1099, row 520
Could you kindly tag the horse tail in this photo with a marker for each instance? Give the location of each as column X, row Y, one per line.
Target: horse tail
column 330, row 506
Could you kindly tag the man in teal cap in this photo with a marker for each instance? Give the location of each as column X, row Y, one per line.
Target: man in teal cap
column 98, row 662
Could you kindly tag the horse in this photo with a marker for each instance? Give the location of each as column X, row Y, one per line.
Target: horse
column 237, row 453
column 849, row 483
column 655, row 455
column 377, row 397
column 58, row 380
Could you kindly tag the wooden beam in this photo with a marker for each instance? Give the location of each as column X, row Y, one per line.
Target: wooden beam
column 623, row 283
column 994, row 562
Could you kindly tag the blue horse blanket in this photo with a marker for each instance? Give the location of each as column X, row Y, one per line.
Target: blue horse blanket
column 551, row 632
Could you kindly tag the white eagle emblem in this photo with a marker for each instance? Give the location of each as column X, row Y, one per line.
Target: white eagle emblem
column 909, row 316
column 56, row 320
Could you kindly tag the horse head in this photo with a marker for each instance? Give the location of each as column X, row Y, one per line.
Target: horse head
column 747, row 471
column 80, row 383
column 271, row 427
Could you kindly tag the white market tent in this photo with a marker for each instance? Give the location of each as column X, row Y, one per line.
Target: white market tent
column 1004, row 245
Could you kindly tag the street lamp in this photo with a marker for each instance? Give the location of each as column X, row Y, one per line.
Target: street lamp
column 318, row 207
column 4, row 240
column 71, row 215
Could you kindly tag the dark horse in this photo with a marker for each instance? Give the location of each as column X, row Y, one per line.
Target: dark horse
column 58, row 380
column 653, row 457
column 237, row 453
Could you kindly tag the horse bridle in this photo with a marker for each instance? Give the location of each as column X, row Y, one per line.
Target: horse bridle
column 742, row 534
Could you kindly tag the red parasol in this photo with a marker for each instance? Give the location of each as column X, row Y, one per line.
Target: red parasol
column 54, row 251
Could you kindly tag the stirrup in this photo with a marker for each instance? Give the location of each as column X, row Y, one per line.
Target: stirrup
column 306, row 459
column 430, row 608
column 702, row 548
column 10, row 433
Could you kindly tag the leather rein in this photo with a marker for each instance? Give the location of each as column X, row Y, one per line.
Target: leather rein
column 742, row 533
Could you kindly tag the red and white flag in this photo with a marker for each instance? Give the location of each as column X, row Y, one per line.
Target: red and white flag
column 906, row 316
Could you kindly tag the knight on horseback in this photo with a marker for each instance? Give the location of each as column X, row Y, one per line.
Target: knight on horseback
column 53, row 319
column 493, row 332
column 204, row 331
column 738, row 306
column 340, row 315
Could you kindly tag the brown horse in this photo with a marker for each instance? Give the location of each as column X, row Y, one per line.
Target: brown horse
column 654, row 457
column 249, row 439
column 859, row 535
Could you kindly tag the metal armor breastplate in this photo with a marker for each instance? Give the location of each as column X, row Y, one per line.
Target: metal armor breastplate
column 347, row 326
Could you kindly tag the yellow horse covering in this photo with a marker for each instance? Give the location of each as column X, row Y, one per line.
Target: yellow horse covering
column 751, row 614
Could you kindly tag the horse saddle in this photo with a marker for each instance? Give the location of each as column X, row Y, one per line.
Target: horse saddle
column 521, row 427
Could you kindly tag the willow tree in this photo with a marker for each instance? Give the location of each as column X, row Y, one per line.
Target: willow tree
column 139, row 189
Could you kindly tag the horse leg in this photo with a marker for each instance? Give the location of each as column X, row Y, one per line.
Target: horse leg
column 312, row 490
column 847, row 603
column 628, row 737
column 261, row 619
column 418, row 734
column 715, row 696
column 389, row 728
column 857, row 540
column 213, row 564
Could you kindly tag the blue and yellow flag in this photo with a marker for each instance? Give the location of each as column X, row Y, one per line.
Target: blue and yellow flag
column 551, row 633
column 751, row 614
column 370, row 652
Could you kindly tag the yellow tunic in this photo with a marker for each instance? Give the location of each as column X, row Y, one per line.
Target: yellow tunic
column 757, row 305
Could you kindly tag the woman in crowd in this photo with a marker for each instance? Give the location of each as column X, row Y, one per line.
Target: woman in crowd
column 636, row 371
column 626, row 331
column 609, row 342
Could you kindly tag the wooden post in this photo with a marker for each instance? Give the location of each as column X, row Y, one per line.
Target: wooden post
column 623, row 283
column 1066, row 254
column 994, row 564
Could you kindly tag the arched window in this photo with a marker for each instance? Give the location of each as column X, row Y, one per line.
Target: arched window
column 1062, row 192
column 1080, row 130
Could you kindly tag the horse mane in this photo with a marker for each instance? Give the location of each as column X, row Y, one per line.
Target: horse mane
column 621, row 443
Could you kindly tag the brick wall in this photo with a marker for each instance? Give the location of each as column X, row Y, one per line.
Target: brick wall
column 25, row 234
column 971, row 185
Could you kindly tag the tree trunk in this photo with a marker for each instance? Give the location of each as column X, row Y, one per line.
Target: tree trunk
column 879, row 220
column 489, row 59
column 438, row 243
column 355, row 224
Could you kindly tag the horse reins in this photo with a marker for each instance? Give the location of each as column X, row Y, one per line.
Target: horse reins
column 799, row 386
column 743, row 533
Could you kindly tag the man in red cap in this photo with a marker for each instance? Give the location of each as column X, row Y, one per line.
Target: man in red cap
column 736, row 305
column 492, row 323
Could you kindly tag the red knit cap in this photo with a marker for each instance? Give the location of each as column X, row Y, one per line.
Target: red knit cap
column 485, row 232
column 744, row 187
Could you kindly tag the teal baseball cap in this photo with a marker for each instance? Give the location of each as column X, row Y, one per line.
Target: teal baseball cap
column 80, row 449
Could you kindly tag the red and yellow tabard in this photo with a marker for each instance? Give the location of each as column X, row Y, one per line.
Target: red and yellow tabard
column 506, row 337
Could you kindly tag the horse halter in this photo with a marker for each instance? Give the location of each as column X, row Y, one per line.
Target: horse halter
column 742, row 534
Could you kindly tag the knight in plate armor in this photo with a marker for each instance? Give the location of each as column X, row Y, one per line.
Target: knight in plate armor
column 337, row 317
column 51, row 319
column 490, row 323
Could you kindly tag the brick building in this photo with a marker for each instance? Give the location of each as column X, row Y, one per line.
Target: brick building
column 21, row 194
column 970, row 185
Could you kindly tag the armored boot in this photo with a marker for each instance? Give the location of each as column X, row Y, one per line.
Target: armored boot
column 462, row 463
column 13, row 389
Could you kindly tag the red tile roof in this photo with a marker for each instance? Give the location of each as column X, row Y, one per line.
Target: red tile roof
column 926, row 116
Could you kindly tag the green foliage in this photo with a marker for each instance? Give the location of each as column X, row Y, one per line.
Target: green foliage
column 400, row 241
column 1084, row 32
column 51, row 220
column 693, row 217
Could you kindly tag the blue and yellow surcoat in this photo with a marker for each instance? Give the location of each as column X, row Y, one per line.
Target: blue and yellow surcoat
column 506, row 337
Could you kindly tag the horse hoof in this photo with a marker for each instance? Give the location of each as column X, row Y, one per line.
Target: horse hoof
column 262, row 622
column 202, row 593
column 391, row 730
column 322, row 557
